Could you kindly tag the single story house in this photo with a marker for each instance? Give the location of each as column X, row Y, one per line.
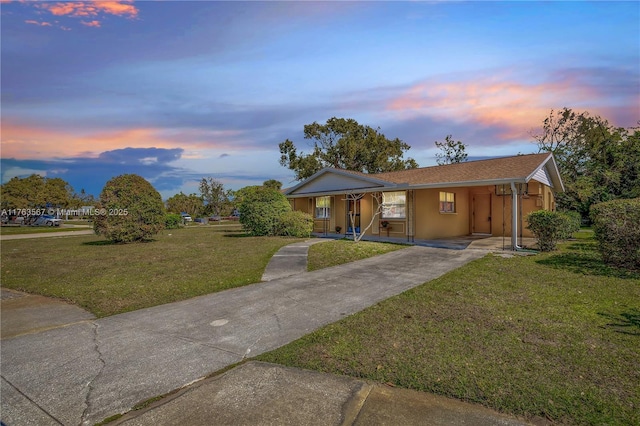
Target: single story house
column 486, row 197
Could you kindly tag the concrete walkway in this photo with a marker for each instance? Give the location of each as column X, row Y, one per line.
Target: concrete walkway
column 289, row 260
column 46, row 235
column 87, row 371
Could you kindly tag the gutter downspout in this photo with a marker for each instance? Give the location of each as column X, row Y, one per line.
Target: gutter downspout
column 514, row 218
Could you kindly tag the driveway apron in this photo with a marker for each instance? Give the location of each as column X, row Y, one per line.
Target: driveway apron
column 85, row 372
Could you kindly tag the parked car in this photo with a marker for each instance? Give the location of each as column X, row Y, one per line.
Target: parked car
column 214, row 219
column 47, row 220
column 185, row 217
column 200, row 220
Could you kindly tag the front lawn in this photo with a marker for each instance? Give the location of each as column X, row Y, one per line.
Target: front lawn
column 337, row 252
column 553, row 336
column 107, row 278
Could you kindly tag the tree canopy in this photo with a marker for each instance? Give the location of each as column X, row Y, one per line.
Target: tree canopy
column 181, row 202
column 215, row 197
column 345, row 144
column 36, row 191
column 597, row 161
column 452, row 151
column 272, row 183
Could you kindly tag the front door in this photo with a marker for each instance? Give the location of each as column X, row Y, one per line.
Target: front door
column 482, row 214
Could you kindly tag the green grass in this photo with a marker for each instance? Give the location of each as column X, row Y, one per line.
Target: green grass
column 20, row 230
column 107, row 278
column 554, row 336
column 337, row 252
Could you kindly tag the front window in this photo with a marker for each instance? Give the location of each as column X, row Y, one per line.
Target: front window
column 323, row 207
column 394, row 205
column 447, row 202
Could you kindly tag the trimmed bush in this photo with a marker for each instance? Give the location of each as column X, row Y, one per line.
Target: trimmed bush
column 548, row 228
column 172, row 221
column 617, row 229
column 295, row 224
column 571, row 223
column 260, row 210
column 130, row 210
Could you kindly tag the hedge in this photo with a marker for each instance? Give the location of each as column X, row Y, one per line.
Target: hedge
column 616, row 225
column 295, row 224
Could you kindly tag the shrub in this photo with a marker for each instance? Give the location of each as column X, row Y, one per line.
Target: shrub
column 172, row 221
column 571, row 221
column 295, row 224
column 617, row 229
column 260, row 210
column 130, row 210
column 547, row 227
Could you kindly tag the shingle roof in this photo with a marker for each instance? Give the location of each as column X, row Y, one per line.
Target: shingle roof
column 518, row 168
column 506, row 168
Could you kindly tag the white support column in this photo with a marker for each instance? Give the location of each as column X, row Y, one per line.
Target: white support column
column 514, row 217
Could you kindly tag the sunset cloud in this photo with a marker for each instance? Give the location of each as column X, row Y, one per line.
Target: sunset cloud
column 91, row 8
column 29, row 142
column 41, row 24
column 92, row 12
column 512, row 106
column 91, row 24
column 21, row 141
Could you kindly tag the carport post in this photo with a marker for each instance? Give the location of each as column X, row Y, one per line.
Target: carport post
column 514, row 217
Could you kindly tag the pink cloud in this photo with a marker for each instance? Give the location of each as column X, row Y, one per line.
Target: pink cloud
column 91, row 11
column 512, row 106
column 92, row 8
column 40, row 24
column 21, row 141
column 91, row 23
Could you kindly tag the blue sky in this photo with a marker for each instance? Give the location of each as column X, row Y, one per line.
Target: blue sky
column 179, row 90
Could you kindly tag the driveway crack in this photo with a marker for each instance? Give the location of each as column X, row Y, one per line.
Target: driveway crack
column 90, row 384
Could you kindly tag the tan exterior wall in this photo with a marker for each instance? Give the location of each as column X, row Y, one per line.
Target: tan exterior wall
column 430, row 223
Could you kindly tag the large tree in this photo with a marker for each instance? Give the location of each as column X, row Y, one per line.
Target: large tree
column 216, row 198
column 597, row 161
column 36, row 191
column 452, row 151
column 181, row 202
column 345, row 144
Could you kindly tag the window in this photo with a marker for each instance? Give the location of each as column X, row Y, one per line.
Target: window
column 394, row 205
column 447, row 202
column 323, row 207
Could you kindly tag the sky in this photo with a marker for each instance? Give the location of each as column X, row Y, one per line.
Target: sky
column 180, row 90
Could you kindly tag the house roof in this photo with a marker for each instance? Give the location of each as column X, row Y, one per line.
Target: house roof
column 507, row 168
column 519, row 169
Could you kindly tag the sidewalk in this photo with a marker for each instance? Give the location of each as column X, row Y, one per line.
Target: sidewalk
column 87, row 371
column 258, row 393
column 46, row 235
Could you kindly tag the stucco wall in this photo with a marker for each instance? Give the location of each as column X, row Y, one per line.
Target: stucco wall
column 430, row 223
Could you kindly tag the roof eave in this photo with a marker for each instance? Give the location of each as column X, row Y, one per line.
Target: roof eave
column 364, row 177
column 484, row 182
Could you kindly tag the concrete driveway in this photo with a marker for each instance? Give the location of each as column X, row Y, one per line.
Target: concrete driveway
column 87, row 371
